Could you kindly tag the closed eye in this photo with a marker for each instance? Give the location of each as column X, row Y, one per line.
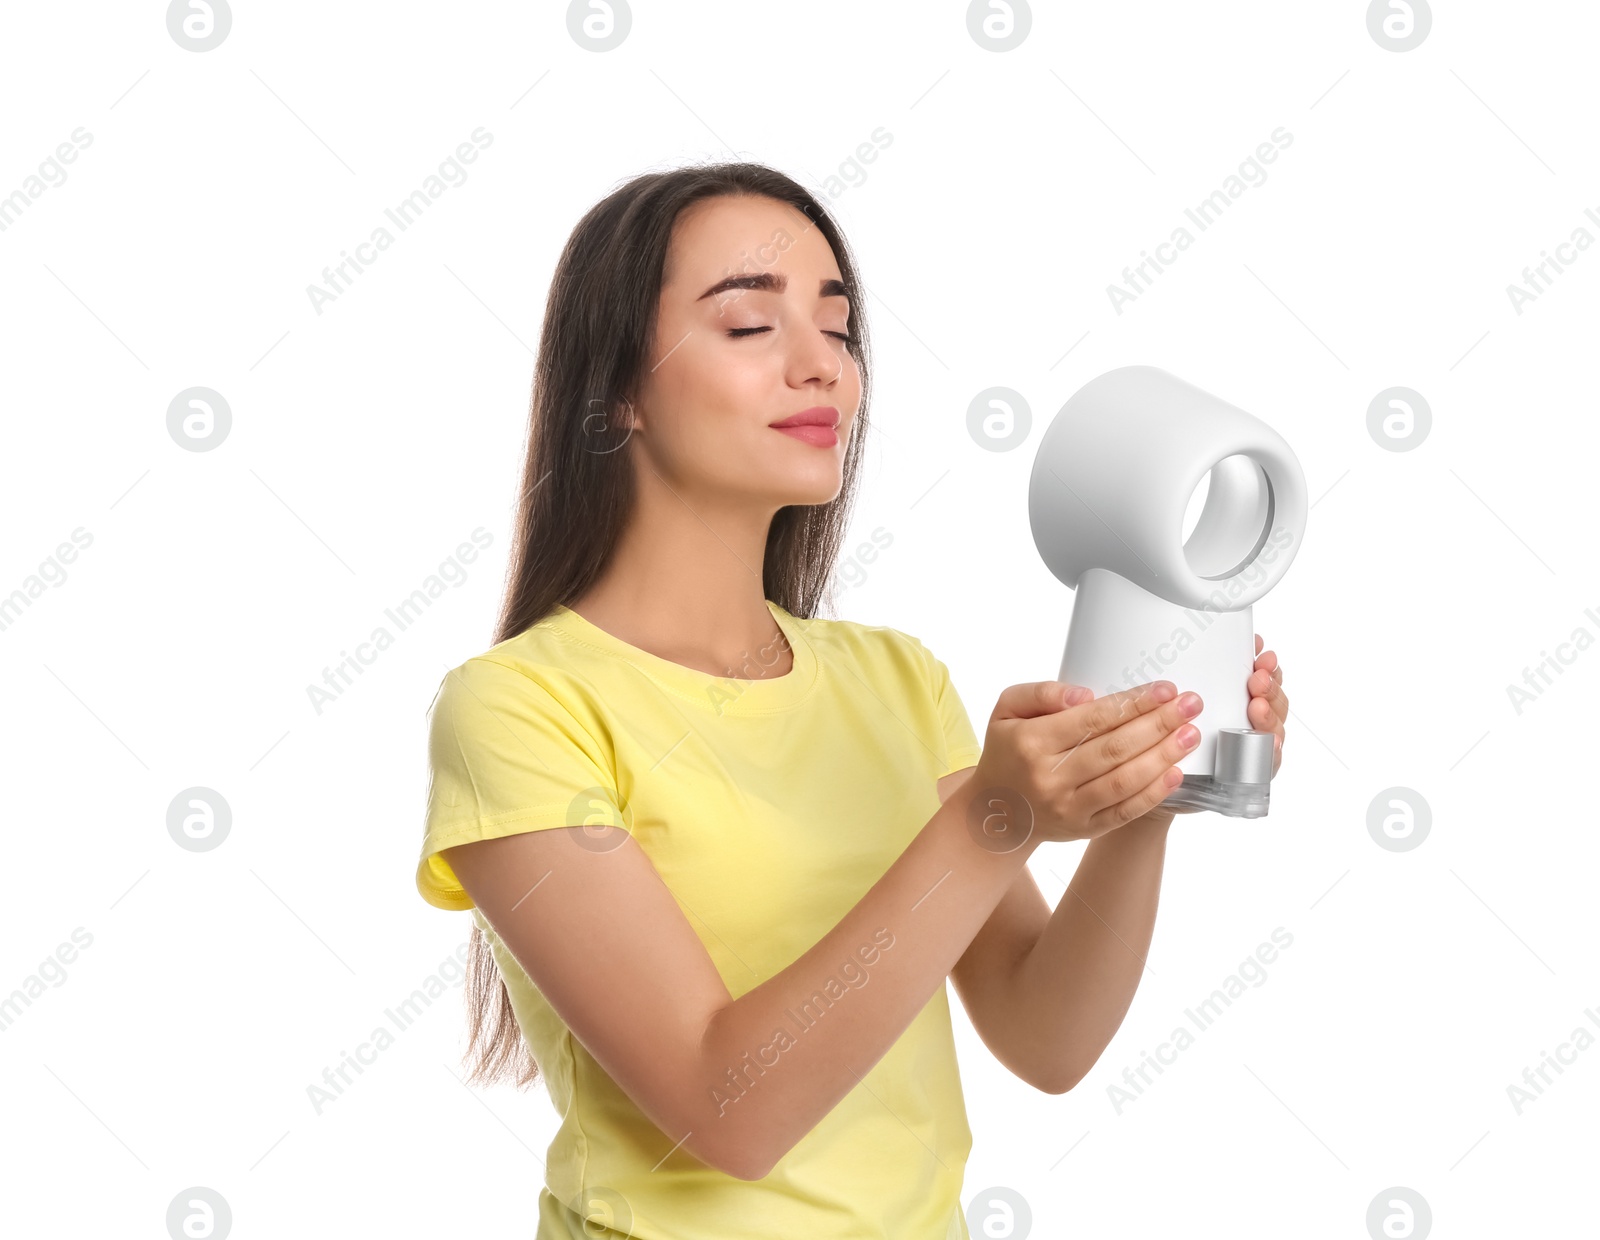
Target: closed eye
column 738, row 332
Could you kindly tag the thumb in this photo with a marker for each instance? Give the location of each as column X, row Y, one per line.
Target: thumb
column 1039, row 697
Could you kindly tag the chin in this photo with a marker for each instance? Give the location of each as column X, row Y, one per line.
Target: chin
column 808, row 491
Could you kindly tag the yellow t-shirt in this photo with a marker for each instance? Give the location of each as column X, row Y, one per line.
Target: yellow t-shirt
column 769, row 808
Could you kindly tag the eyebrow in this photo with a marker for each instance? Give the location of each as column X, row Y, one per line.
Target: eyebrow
column 770, row 282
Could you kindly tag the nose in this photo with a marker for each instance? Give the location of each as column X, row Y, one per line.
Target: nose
column 816, row 358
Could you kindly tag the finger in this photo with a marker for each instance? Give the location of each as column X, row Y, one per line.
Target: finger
column 1268, row 711
column 1259, row 643
column 1040, row 697
column 1262, row 684
column 1276, row 726
column 1278, row 701
column 1099, row 716
column 1107, row 751
column 1141, row 803
column 1270, row 664
column 1128, row 778
column 1261, row 715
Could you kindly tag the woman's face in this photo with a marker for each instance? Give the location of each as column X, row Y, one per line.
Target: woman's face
column 750, row 331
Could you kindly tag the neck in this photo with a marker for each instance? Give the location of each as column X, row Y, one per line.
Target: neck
column 684, row 583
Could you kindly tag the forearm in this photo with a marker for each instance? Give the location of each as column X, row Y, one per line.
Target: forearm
column 777, row 1059
column 1070, row 992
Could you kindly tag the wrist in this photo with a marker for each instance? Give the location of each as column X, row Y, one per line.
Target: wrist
column 997, row 821
column 1149, row 828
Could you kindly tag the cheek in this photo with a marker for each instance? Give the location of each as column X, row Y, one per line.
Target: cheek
column 850, row 381
column 715, row 405
column 700, row 386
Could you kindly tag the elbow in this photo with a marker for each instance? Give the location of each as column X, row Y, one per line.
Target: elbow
column 1057, row 1082
column 741, row 1160
column 749, row 1172
column 1045, row 1075
column 723, row 1147
column 749, row 1161
column 741, row 1164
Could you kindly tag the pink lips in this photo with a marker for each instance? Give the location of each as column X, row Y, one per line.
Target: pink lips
column 816, row 425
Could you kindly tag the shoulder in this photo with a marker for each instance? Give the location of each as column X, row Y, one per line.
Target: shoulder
column 533, row 670
column 872, row 647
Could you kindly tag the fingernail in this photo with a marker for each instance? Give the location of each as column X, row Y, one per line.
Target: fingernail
column 1189, row 705
column 1164, row 691
column 1188, row 734
column 1078, row 695
column 1174, row 777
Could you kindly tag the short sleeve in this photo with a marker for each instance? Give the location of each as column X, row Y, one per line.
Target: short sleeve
column 961, row 742
column 505, row 756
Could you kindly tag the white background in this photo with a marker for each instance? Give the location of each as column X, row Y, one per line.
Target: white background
column 370, row 440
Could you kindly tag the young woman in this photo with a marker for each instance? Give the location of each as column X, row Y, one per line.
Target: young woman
column 722, row 853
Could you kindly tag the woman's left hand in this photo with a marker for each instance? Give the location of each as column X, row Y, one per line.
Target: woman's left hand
column 1268, row 709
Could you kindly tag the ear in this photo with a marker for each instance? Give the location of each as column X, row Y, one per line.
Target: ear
column 607, row 426
column 628, row 419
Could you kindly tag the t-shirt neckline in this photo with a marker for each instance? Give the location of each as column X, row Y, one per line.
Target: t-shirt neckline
column 722, row 695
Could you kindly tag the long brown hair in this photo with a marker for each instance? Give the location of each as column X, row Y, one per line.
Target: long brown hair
column 577, row 486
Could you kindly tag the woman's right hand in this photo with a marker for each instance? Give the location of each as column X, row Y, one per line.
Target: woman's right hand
column 1065, row 765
